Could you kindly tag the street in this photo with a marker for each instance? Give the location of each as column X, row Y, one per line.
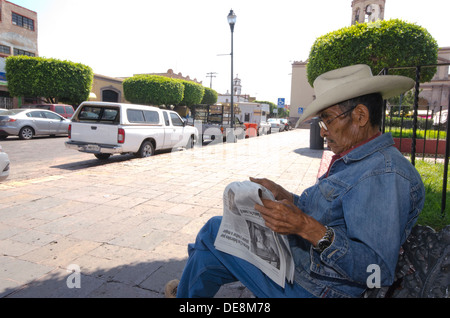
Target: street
column 46, row 156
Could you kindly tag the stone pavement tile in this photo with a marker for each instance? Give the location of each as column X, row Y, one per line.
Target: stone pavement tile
column 34, row 237
column 190, row 210
column 7, row 230
column 10, row 247
column 102, row 231
column 142, row 237
column 15, row 272
column 65, row 225
column 121, row 290
column 60, row 253
column 168, row 269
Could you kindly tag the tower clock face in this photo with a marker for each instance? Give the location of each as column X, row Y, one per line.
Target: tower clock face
column 372, row 12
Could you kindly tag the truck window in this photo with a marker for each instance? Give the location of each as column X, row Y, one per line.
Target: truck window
column 99, row 114
column 151, row 116
column 135, row 116
column 166, row 119
column 176, row 120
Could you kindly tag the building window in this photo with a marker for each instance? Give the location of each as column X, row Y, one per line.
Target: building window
column 5, row 49
column 22, row 52
column 22, row 21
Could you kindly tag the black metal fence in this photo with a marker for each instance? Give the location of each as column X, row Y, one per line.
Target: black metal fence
column 407, row 123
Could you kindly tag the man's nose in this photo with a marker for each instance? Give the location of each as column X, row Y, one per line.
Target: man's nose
column 323, row 132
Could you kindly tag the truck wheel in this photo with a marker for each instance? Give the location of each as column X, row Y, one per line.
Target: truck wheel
column 26, row 133
column 102, row 156
column 146, row 150
column 191, row 142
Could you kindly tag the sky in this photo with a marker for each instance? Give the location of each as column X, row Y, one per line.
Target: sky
column 120, row 38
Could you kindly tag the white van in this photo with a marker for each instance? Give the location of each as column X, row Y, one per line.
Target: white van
column 104, row 129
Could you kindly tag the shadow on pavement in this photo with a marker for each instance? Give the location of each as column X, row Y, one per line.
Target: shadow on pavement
column 138, row 280
column 309, row 152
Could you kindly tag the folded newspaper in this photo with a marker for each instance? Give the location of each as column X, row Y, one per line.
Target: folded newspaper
column 243, row 232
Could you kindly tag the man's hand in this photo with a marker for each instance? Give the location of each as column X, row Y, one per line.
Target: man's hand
column 285, row 218
column 278, row 191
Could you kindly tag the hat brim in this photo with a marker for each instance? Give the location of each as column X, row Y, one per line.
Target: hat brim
column 387, row 85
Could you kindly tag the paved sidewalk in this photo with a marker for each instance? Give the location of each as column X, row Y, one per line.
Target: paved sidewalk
column 121, row 229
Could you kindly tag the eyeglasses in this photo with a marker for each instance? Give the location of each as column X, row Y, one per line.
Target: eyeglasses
column 324, row 124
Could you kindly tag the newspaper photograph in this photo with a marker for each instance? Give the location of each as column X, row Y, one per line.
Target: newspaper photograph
column 243, row 232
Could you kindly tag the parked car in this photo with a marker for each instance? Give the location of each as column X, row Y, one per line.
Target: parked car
column 3, row 110
column 276, row 125
column 65, row 111
column 287, row 126
column 104, row 129
column 4, row 165
column 264, row 128
column 27, row 123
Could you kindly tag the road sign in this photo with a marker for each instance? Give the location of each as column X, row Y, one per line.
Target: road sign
column 300, row 110
column 281, row 102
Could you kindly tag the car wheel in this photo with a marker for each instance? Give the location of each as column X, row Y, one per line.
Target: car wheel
column 191, row 142
column 26, row 133
column 147, row 150
column 3, row 137
column 102, row 156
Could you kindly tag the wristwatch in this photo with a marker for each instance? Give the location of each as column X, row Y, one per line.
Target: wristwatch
column 325, row 241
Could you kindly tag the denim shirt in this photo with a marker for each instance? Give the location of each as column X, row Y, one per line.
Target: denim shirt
column 371, row 199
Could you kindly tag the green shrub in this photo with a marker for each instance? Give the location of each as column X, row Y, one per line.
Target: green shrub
column 210, row 97
column 55, row 80
column 380, row 44
column 193, row 93
column 153, row 90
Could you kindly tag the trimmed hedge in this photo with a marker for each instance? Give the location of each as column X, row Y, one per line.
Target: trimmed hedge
column 380, row 44
column 193, row 93
column 55, row 80
column 153, row 90
column 210, row 97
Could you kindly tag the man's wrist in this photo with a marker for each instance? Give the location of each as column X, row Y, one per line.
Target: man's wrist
column 326, row 240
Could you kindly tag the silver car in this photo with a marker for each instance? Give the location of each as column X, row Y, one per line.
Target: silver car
column 4, row 165
column 27, row 123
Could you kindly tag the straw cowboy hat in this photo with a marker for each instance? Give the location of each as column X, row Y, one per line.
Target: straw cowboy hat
column 352, row 81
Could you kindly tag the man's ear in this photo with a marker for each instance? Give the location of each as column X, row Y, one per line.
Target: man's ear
column 361, row 115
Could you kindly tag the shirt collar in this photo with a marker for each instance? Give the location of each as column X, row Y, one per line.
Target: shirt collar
column 342, row 154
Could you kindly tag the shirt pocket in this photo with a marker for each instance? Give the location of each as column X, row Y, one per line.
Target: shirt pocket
column 322, row 204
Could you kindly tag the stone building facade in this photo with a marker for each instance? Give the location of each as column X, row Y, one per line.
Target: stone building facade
column 18, row 36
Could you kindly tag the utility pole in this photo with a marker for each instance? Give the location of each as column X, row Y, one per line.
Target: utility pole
column 211, row 75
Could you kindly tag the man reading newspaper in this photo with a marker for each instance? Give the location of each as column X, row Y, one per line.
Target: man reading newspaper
column 350, row 223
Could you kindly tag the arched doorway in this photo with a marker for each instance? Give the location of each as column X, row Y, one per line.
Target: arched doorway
column 109, row 95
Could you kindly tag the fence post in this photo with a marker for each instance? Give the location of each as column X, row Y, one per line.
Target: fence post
column 416, row 106
column 444, row 182
column 383, row 124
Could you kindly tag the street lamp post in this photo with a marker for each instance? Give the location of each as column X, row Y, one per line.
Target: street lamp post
column 232, row 21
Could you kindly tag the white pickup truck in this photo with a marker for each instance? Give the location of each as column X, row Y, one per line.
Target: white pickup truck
column 104, row 129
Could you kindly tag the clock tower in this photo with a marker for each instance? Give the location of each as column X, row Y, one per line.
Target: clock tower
column 367, row 10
